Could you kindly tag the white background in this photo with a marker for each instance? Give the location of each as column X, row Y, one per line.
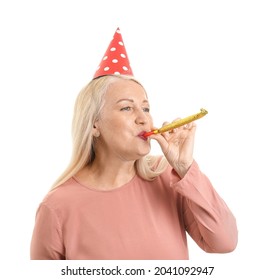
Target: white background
column 218, row 55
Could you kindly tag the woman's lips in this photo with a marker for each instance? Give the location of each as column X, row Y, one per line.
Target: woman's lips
column 141, row 135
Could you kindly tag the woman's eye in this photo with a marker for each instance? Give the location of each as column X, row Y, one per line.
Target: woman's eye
column 127, row 108
column 147, row 110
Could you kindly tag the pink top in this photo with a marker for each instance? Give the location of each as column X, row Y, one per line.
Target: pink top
column 141, row 220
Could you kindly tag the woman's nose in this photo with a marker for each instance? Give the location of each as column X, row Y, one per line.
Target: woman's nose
column 141, row 117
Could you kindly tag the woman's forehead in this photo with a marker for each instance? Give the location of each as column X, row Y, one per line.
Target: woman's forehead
column 125, row 90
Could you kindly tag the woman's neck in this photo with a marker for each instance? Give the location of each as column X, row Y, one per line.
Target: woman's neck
column 107, row 174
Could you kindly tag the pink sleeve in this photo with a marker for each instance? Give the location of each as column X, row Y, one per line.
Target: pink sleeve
column 207, row 218
column 46, row 243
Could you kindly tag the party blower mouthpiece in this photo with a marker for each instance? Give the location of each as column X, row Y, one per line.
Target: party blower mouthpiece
column 178, row 123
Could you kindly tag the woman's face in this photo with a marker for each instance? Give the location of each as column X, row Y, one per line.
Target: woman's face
column 123, row 118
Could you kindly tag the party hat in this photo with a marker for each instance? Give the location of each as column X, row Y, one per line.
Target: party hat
column 115, row 61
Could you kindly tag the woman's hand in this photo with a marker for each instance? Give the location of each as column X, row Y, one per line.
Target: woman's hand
column 177, row 146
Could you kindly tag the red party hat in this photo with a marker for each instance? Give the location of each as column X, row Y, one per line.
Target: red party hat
column 115, row 61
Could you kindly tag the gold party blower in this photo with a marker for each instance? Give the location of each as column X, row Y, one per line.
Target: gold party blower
column 178, row 123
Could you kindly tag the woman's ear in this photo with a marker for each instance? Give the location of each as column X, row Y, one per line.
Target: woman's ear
column 95, row 130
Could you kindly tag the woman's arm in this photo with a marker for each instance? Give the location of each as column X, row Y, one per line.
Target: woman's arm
column 206, row 217
column 46, row 243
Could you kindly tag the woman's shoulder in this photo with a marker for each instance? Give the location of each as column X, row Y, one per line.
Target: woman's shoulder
column 63, row 194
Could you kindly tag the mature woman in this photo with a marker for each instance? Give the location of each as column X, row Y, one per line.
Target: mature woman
column 114, row 201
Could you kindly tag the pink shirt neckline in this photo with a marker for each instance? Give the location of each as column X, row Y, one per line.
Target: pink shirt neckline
column 92, row 188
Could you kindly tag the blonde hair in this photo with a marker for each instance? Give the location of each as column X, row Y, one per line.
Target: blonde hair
column 86, row 111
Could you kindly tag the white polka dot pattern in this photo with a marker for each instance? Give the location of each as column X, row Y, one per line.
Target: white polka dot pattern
column 115, row 60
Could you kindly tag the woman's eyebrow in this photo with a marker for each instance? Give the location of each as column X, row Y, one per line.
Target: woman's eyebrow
column 131, row 100
column 125, row 99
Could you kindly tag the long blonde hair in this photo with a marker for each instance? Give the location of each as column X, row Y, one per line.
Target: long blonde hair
column 87, row 108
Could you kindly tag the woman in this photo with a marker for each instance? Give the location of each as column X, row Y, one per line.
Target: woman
column 115, row 201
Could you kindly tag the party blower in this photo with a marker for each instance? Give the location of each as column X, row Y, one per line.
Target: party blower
column 178, row 123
